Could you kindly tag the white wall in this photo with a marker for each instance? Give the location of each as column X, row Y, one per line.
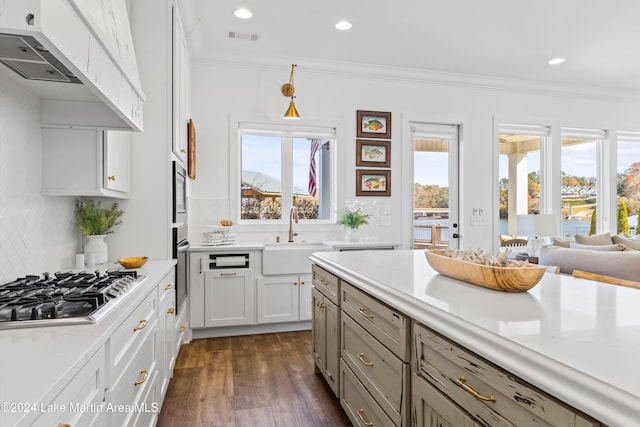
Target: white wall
column 249, row 90
column 37, row 233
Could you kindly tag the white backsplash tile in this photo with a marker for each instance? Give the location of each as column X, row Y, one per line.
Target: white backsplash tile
column 37, row 233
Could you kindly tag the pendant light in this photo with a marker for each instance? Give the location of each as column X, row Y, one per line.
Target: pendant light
column 288, row 90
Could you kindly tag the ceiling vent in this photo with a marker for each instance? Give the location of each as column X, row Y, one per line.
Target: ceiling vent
column 243, row 36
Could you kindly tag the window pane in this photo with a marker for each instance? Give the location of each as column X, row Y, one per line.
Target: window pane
column 307, row 185
column 579, row 184
column 519, row 191
column 261, row 177
column 628, row 183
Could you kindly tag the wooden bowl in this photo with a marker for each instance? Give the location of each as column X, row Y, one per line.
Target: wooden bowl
column 133, row 261
column 508, row 279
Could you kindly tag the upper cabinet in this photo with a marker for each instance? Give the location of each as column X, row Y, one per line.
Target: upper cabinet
column 85, row 161
column 180, row 93
column 78, row 53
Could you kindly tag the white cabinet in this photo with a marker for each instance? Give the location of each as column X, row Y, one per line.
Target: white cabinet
column 284, row 298
column 180, row 92
column 221, row 294
column 166, row 331
column 228, row 298
column 82, row 161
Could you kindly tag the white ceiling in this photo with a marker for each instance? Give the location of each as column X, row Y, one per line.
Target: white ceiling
column 506, row 39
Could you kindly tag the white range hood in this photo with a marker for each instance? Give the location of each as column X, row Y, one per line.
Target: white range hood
column 77, row 56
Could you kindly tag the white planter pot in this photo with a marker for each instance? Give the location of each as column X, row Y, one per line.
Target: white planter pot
column 353, row 235
column 97, row 246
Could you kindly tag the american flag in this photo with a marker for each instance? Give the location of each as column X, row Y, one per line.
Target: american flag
column 315, row 143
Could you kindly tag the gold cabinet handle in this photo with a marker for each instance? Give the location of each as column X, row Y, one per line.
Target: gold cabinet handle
column 143, row 377
column 302, row 282
column 171, row 310
column 320, row 305
column 295, row 283
column 362, row 359
column 182, row 150
column 183, row 328
column 461, row 380
column 168, row 287
column 361, row 416
column 363, row 311
column 141, row 325
column 111, row 177
column 64, row 425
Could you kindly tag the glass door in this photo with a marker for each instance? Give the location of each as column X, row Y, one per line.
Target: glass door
column 435, row 186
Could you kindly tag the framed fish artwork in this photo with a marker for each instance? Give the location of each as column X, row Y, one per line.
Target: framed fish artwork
column 373, row 182
column 375, row 154
column 373, row 124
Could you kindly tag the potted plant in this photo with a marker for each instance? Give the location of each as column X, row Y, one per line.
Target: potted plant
column 95, row 222
column 352, row 219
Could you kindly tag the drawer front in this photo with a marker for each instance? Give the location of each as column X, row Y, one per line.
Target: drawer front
column 361, row 408
column 387, row 325
column 82, row 398
column 167, row 289
column 380, row 371
column 132, row 385
column 126, row 340
column 326, row 283
column 485, row 390
column 432, row 408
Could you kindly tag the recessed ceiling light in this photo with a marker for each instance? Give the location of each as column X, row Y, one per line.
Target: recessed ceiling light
column 343, row 25
column 556, row 61
column 243, row 13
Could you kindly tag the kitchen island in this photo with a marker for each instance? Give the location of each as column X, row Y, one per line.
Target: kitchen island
column 576, row 340
column 54, row 374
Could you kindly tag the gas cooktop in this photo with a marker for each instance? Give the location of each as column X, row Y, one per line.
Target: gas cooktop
column 62, row 299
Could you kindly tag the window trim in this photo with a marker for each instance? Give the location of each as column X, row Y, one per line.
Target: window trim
column 321, row 127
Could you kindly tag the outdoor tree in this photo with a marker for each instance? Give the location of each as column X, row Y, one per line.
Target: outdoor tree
column 623, row 219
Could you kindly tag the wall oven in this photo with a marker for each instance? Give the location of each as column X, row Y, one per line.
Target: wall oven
column 180, row 243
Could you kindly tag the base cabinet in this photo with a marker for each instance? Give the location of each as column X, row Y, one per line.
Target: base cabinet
column 326, row 339
column 228, row 298
column 166, row 331
column 284, row 298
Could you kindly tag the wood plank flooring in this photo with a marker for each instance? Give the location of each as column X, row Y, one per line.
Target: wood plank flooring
column 254, row 380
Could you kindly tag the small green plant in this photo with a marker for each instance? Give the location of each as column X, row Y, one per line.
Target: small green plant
column 352, row 219
column 623, row 220
column 94, row 220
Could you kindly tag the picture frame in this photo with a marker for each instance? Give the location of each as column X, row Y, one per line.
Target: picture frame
column 373, row 124
column 373, row 182
column 373, row 153
column 191, row 150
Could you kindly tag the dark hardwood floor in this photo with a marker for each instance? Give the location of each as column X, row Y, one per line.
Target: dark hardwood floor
column 254, row 380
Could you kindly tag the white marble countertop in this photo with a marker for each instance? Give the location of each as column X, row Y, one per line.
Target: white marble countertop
column 576, row 339
column 33, row 361
column 334, row 244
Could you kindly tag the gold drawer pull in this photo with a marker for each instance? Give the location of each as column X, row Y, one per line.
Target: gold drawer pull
column 182, row 150
column 361, row 416
column 143, row 377
column 111, row 177
column 64, row 425
column 302, row 282
column 168, row 287
column 365, row 314
column 295, row 283
column 171, row 310
column 183, row 328
column 320, row 305
column 364, row 362
column 461, row 380
column 141, row 325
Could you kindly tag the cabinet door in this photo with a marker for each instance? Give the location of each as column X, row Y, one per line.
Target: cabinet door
column 228, row 298
column 196, row 289
column 179, row 71
column 432, row 409
column 332, row 337
column 278, row 299
column 319, row 337
column 117, row 152
column 304, row 297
